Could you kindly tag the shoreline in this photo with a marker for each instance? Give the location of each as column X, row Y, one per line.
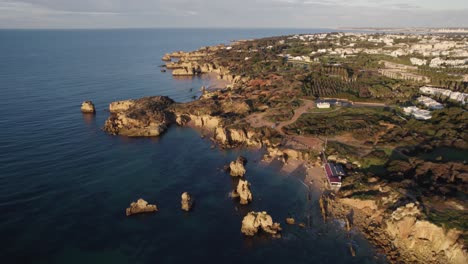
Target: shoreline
column 224, row 114
column 216, row 83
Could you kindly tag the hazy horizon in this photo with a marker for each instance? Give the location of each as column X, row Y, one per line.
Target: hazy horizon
column 121, row 14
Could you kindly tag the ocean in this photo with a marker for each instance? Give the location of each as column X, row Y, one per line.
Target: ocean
column 65, row 184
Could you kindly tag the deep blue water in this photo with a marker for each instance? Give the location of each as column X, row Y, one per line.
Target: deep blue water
column 65, row 184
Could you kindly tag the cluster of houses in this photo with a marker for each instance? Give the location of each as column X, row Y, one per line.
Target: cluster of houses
column 431, row 104
column 427, row 46
column 456, row 96
column 417, row 113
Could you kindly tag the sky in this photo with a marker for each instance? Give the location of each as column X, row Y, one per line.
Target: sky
column 232, row 14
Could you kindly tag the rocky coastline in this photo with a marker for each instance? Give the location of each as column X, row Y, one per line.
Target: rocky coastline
column 398, row 229
column 402, row 234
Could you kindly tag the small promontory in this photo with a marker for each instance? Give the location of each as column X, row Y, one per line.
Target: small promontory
column 148, row 116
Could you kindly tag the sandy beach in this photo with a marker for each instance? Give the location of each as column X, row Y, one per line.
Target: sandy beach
column 214, row 83
column 311, row 175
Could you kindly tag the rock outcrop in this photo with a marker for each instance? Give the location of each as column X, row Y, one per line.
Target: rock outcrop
column 243, row 189
column 237, row 168
column 140, row 206
column 88, row 107
column 232, row 137
column 144, row 117
column 186, row 201
column 166, row 57
column 255, row 221
column 423, row 240
column 290, row 221
column 404, row 234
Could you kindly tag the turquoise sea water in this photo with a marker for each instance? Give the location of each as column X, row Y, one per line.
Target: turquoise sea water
column 65, row 184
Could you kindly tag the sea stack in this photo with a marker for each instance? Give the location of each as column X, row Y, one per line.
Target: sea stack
column 140, row 206
column 88, row 107
column 237, row 167
column 254, row 221
column 186, row 201
column 243, row 189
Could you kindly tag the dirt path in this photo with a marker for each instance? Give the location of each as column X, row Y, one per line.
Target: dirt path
column 297, row 113
column 258, row 120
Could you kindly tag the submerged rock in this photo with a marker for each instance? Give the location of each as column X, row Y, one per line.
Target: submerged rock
column 88, row 107
column 243, row 190
column 237, row 168
column 140, row 206
column 255, row 221
column 186, row 201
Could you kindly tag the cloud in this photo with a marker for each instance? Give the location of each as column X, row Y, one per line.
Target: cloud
column 239, row 13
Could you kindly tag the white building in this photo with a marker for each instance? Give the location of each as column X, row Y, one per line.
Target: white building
column 437, row 62
column 418, row 113
column 323, row 105
column 456, row 96
column 430, row 103
column 418, row 62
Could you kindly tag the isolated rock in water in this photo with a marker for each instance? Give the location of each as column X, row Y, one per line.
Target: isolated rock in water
column 290, row 221
column 140, row 206
column 254, row 221
column 186, row 201
column 237, row 167
column 243, row 189
column 88, row 107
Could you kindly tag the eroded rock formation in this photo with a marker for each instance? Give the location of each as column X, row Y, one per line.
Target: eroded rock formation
column 255, row 221
column 88, row 107
column 243, row 189
column 140, row 206
column 404, row 234
column 145, row 117
column 237, row 168
column 186, row 201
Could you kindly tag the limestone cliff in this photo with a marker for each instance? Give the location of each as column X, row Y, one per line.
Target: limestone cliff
column 403, row 233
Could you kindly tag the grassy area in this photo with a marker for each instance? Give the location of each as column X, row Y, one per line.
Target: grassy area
column 365, row 195
column 446, row 154
column 362, row 122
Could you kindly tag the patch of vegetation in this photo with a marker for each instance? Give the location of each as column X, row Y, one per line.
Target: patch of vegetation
column 362, row 123
column 365, row 195
column 450, row 219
